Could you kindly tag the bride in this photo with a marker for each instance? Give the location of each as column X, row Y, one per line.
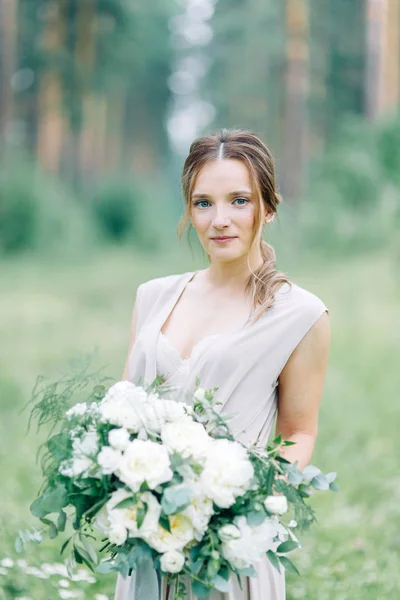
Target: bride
column 239, row 324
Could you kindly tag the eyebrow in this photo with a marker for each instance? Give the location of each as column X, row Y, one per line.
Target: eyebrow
column 236, row 193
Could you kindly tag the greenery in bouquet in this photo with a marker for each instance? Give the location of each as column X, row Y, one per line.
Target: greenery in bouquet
column 156, row 485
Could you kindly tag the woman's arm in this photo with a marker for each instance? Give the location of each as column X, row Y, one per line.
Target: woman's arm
column 301, row 384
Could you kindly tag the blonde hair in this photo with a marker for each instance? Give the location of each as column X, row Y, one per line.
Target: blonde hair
column 245, row 146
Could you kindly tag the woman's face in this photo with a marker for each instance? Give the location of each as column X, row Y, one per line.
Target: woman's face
column 224, row 206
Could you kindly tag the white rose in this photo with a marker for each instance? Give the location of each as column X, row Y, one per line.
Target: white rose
column 186, row 437
column 119, row 438
column 109, row 460
column 181, row 534
column 228, row 532
column 172, row 561
column 144, row 461
column 252, row 544
column 199, row 510
column 127, row 517
column 227, row 472
column 276, row 505
column 117, row 534
column 76, row 411
column 199, row 394
column 87, row 445
column 123, row 406
column 75, row 467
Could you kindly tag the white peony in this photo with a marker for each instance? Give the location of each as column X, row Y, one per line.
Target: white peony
column 88, row 445
column 276, row 505
column 186, row 437
column 158, row 411
column 123, row 406
column 76, row 411
column 117, row 534
column 76, row 466
column 228, row 532
column 199, row 394
column 109, row 460
column 227, row 472
column 200, row 509
column 181, row 534
column 145, row 461
column 172, row 561
column 128, row 516
column 119, row 438
column 252, row 544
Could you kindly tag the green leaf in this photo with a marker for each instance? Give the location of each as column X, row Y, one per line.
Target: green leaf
column 60, row 445
column 334, row 486
column 51, row 501
column 281, row 459
column 83, row 556
column 220, row 584
column 287, row 546
column 330, row 477
column 105, row 567
column 65, row 544
column 53, row 531
column 274, row 560
column 289, row 566
column 288, row 443
column 19, row 545
column 164, row 522
column 128, row 502
column 200, row 590
column 278, row 439
column 89, row 549
column 320, row 482
column 175, row 499
column 141, row 514
column 61, row 521
column 248, row 571
column 256, row 517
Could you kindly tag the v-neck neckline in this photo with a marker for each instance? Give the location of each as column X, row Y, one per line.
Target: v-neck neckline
column 190, row 275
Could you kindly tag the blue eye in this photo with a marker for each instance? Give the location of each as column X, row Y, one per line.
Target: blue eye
column 245, row 201
column 200, row 202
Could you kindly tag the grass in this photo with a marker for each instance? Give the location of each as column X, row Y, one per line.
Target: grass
column 51, row 312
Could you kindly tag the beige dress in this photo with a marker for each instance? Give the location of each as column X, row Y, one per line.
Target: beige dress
column 244, row 362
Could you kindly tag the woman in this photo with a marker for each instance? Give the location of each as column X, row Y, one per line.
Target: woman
column 240, row 324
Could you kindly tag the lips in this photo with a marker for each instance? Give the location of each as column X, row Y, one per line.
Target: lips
column 224, row 237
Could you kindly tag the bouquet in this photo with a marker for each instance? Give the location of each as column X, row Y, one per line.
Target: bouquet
column 156, row 486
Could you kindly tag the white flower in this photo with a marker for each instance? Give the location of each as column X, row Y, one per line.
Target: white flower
column 186, row 437
column 144, row 461
column 200, row 509
column 87, row 446
column 252, row 544
column 199, row 394
column 172, row 561
column 76, row 411
column 181, row 534
column 227, row 472
column 123, row 406
column 276, row 505
column 75, row 467
column 228, row 532
column 159, row 411
column 7, row 562
column 109, row 460
column 127, row 517
column 117, row 534
column 292, row 523
column 119, row 438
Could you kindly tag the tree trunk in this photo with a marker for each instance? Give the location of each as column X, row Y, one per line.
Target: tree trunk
column 8, row 32
column 296, row 86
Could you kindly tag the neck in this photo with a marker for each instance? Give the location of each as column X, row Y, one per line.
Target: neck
column 233, row 274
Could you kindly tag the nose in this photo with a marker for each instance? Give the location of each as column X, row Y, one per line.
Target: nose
column 221, row 220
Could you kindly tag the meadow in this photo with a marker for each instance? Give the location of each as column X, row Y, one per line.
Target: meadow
column 53, row 311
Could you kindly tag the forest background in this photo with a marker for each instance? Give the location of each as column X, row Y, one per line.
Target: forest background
column 99, row 101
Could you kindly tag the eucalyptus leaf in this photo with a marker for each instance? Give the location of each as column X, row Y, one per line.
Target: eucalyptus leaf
column 310, row 472
column 320, row 482
column 274, row 560
column 248, row 571
column 89, row 549
column 287, row 546
column 175, row 499
column 53, row 531
column 221, row 584
column 256, row 517
column 289, row 566
column 200, row 590
column 330, row 477
column 334, row 486
column 61, row 521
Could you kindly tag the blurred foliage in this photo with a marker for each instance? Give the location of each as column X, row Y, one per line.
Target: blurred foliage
column 37, row 212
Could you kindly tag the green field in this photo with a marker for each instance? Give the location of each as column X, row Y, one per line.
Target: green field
column 52, row 312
